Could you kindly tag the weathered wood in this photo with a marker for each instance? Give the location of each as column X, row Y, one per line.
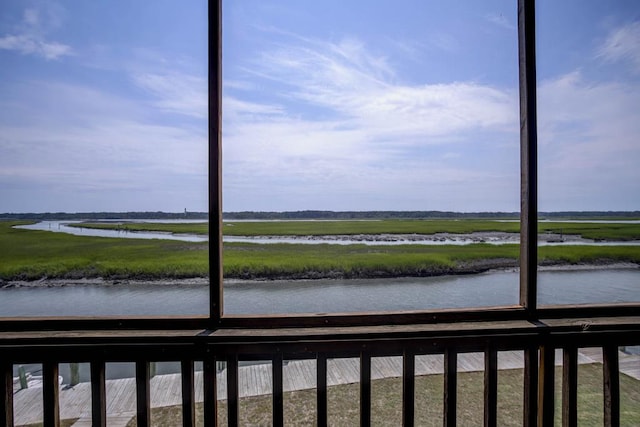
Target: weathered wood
column 187, row 371
column 408, row 389
column 50, row 394
column 210, row 391
column 490, row 387
column 143, row 394
column 321, row 389
column 546, row 386
column 365, row 389
column 6, row 393
column 570, row 387
column 450, row 387
column 232, row 391
column 530, row 393
column 98, row 394
column 215, row 161
column 611, row 385
column 528, row 156
column 277, row 399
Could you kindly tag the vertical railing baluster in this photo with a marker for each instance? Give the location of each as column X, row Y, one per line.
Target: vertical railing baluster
column 50, row 394
column 365, row 389
column 143, row 393
column 490, row 387
column 450, row 386
column 530, row 392
column 321, row 390
column 546, row 385
column 408, row 388
column 278, row 402
column 187, row 375
column 611, row 384
column 232, row 390
column 98, row 394
column 570, row 387
column 210, row 390
column 6, row 394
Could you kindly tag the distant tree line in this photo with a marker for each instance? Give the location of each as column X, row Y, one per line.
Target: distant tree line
column 88, row 216
column 315, row 214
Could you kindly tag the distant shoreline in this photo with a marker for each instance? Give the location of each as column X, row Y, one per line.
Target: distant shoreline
column 482, row 267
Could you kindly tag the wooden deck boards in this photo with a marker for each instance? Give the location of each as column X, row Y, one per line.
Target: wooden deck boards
column 254, row 380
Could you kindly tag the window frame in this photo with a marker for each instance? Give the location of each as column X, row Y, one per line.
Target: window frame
column 527, row 309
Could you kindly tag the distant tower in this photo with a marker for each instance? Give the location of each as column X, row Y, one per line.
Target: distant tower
column 185, row 211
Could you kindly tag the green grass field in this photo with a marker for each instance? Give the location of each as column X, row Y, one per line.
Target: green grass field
column 32, row 255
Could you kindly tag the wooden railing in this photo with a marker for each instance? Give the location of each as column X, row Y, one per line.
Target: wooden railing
column 538, row 338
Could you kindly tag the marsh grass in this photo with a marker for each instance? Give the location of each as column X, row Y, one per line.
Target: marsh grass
column 33, row 255
column 343, row 402
column 597, row 231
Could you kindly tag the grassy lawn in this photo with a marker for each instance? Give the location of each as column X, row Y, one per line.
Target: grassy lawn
column 343, row 402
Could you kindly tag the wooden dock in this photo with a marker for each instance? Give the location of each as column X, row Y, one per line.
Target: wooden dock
column 255, row 380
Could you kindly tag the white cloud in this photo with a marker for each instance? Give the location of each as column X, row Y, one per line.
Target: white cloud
column 588, row 147
column 31, row 39
column 370, row 140
column 176, row 92
column 623, row 44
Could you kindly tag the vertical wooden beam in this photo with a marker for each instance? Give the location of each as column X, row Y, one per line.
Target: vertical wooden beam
column 490, row 387
column 365, row 389
column 546, row 386
column 530, row 393
column 50, row 394
column 570, row 387
column 321, row 390
column 187, row 374
column 232, row 390
column 611, row 385
column 215, row 162
column 450, row 386
column 143, row 393
column 210, row 392
column 408, row 388
column 277, row 401
column 6, row 394
column 528, row 156
column 98, row 394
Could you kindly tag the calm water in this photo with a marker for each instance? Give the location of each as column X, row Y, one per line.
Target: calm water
column 496, row 288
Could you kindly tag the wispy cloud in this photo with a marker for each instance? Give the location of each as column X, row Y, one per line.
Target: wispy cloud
column 343, row 117
column 30, row 39
column 588, row 143
column 622, row 44
column 176, row 92
column 500, row 20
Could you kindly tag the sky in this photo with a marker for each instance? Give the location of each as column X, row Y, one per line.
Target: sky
column 332, row 105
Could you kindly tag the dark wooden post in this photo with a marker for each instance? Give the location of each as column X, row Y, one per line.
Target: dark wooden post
column 528, row 156
column 215, row 162
column 408, row 388
column 6, row 394
column 98, row 395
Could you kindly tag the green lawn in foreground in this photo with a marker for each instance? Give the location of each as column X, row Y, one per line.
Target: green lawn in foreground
column 608, row 231
column 386, row 402
column 31, row 255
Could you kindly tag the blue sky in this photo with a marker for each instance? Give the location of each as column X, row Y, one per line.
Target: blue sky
column 340, row 105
